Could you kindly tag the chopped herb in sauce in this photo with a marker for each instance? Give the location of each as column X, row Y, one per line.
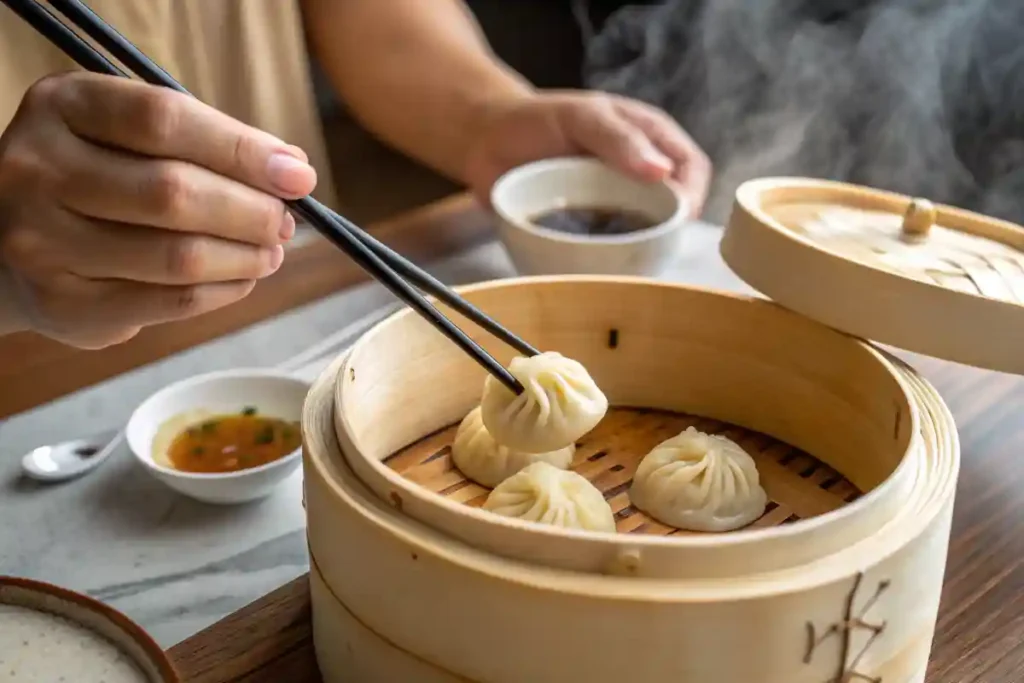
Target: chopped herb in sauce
column 265, row 435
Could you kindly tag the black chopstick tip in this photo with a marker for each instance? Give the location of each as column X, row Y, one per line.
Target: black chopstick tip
column 510, row 382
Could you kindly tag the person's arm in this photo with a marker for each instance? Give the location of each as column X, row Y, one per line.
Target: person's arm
column 419, row 74
column 11, row 320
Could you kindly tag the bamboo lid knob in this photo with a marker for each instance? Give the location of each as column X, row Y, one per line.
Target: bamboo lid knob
column 919, row 218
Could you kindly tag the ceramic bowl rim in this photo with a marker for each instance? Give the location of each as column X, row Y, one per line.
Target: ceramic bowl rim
column 156, row 654
column 149, row 463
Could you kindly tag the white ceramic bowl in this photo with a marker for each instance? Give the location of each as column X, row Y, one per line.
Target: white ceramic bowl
column 527, row 191
column 273, row 393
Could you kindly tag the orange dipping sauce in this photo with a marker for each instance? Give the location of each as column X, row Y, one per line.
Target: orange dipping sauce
column 230, row 443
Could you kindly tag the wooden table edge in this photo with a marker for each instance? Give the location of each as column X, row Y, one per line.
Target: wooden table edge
column 269, row 637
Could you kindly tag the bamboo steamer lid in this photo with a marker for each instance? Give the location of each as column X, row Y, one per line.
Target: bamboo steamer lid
column 928, row 278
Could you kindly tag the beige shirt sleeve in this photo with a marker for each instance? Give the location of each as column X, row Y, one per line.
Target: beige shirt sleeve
column 246, row 57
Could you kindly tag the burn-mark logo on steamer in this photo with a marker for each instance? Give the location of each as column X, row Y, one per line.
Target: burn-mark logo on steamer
column 852, row 621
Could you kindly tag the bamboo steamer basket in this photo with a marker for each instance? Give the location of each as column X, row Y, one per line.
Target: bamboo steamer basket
column 840, row 580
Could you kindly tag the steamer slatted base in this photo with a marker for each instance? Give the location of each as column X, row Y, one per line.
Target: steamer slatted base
column 798, row 485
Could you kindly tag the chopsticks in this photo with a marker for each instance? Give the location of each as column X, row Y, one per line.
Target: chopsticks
column 384, row 264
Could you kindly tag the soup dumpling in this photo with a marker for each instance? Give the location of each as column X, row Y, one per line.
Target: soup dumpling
column 488, row 463
column 699, row 482
column 543, row 493
column 560, row 403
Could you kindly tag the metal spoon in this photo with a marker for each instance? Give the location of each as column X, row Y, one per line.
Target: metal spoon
column 70, row 459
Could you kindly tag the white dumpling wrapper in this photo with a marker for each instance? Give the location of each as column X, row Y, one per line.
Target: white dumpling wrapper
column 560, row 403
column 545, row 494
column 699, row 482
column 488, row 463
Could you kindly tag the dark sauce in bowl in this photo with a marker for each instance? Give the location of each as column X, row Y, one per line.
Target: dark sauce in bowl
column 595, row 221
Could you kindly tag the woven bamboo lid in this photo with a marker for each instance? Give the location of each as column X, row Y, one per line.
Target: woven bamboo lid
column 902, row 271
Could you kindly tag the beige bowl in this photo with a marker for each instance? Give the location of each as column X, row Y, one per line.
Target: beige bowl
column 75, row 632
column 527, row 191
column 783, row 603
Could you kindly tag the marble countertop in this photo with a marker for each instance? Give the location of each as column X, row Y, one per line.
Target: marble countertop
column 172, row 564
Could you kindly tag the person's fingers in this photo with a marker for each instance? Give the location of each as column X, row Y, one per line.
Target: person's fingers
column 159, row 122
column 130, row 304
column 661, row 129
column 100, row 250
column 123, row 207
column 94, row 339
column 48, row 243
column 597, row 127
column 91, row 312
column 175, row 195
column 692, row 168
column 146, row 304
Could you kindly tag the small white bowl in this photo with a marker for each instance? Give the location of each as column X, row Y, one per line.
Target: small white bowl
column 272, row 392
column 525, row 192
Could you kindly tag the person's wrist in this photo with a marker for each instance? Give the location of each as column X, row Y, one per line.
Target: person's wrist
column 485, row 110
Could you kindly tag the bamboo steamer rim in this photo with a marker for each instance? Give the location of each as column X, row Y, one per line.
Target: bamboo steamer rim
column 397, row 482
column 933, row 491
column 662, row 557
column 863, row 298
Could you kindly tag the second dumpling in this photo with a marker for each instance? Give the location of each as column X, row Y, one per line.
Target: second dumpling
column 488, row 463
column 547, row 495
column 699, row 482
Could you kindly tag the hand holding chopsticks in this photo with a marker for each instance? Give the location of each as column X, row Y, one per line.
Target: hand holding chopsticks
column 383, row 264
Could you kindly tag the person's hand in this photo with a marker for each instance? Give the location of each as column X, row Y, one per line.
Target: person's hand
column 123, row 205
column 632, row 136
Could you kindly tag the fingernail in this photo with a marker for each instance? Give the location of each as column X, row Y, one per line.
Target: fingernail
column 297, row 152
column 276, row 258
column 287, row 226
column 290, row 175
column 653, row 157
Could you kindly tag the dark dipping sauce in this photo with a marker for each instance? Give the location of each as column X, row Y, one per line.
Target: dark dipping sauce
column 594, row 221
column 230, row 443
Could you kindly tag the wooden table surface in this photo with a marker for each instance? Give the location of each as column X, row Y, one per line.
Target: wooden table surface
column 980, row 637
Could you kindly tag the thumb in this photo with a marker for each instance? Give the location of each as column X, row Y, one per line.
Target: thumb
column 603, row 132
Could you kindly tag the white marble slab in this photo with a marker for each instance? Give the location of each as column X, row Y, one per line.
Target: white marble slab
column 172, row 564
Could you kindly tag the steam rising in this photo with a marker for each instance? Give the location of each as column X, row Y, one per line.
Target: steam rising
column 924, row 97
